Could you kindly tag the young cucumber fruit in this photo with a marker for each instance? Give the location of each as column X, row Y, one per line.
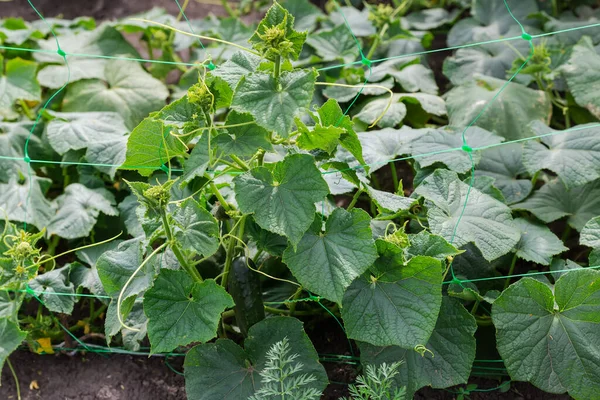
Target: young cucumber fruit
column 244, row 287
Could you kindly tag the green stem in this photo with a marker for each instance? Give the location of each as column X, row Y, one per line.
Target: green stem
column 377, row 41
column 279, row 311
column 26, row 109
column 534, row 178
column 395, row 176
column 295, row 297
column 15, row 377
column 566, row 233
column 277, row 70
column 511, row 270
column 215, row 190
column 228, row 9
column 192, row 271
column 53, row 244
column 231, row 252
column 354, row 199
column 240, row 162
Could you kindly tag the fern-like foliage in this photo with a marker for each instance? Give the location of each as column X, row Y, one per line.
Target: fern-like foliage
column 280, row 379
column 377, row 384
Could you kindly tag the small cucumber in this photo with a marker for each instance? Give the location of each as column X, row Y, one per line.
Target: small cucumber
column 244, row 287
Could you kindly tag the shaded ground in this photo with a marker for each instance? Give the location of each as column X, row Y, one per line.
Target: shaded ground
column 122, row 377
column 92, row 377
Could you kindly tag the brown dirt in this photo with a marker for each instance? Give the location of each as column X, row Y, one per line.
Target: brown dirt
column 93, row 377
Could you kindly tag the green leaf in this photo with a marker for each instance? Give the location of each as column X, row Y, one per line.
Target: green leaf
column 491, row 20
column 18, row 83
column 573, row 156
column 484, row 221
column 243, row 141
column 104, row 41
column 10, row 337
column 373, row 109
column 413, row 77
column 126, row 89
column 150, row 145
column 51, row 283
column 78, row 210
column 12, row 142
column 82, row 276
column 444, row 140
column 181, row 311
column 116, row 266
column 270, row 242
column 400, row 310
column 219, row 371
column 327, row 262
column 398, row 110
column 559, row 264
column 551, row 339
column 319, row 137
column 492, row 60
column 453, row 347
column 358, row 20
column 426, row 244
column 101, row 133
column 283, row 201
column 134, row 318
column 10, row 305
column 504, row 164
column 335, row 44
column 590, row 237
column 26, row 202
column 195, row 228
column 275, row 104
column 390, row 202
column 554, row 201
column 198, row 162
column 429, row 19
column 582, row 76
column 240, row 64
column 223, row 370
column 509, row 114
column 537, row 244
column 305, row 13
column 381, row 146
column 279, row 18
column 331, row 114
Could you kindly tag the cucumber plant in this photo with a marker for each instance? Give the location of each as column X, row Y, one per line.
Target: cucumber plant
column 267, row 193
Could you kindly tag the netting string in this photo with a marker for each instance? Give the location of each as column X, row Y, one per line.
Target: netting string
column 375, row 61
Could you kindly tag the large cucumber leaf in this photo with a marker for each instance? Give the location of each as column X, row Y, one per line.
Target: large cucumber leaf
column 552, row 339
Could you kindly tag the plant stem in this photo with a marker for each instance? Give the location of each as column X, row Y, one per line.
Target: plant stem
column 16, row 378
column 354, row 199
column 231, row 252
column 377, row 40
column 26, row 109
column 566, row 233
column 219, row 196
column 228, row 8
column 273, row 310
column 394, row 176
column 192, row 271
column 53, row 244
column 277, row 70
column 511, row 270
column 240, row 162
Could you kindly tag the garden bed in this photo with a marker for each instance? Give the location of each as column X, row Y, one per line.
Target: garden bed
column 282, row 200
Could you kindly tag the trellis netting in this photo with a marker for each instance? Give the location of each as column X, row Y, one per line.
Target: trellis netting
column 497, row 132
